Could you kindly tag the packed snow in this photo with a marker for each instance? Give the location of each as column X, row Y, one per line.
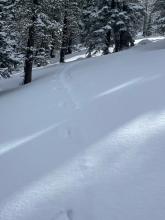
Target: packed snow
column 85, row 140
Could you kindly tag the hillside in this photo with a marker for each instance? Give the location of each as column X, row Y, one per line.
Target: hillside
column 85, row 140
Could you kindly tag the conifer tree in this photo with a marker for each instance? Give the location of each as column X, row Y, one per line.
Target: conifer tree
column 70, row 30
column 159, row 12
column 105, row 29
column 7, row 58
column 111, row 21
column 90, row 26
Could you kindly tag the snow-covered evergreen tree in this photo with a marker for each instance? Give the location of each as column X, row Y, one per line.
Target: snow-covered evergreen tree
column 126, row 20
column 148, row 12
column 33, row 30
column 7, row 44
column 159, row 12
column 105, row 30
column 109, row 20
column 71, row 26
column 90, row 26
column 40, row 22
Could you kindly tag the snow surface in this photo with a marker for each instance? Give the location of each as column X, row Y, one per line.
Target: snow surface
column 85, row 140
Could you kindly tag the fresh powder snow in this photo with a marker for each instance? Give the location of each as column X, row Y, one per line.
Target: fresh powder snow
column 85, row 140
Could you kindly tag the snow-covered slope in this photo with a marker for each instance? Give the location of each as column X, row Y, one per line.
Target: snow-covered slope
column 85, row 141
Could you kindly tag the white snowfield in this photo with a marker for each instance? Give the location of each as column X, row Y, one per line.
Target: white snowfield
column 86, row 140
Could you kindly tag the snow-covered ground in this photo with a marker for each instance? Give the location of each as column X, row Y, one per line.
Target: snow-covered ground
column 85, row 140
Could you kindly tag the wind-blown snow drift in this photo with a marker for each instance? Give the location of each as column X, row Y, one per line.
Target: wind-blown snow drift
column 85, row 141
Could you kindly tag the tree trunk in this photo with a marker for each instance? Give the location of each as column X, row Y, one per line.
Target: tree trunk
column 30, row 44
column 145, row 25
column 62, row 55
column 117, row 41
column 52, row 52
column 145, row 19
column 65, row 34
column 69, row 49
column 107, row 43
column 113, row 4
column 29, row 56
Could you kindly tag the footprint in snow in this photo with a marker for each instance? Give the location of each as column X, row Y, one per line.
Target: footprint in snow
column 67, row 133
column 65, row 215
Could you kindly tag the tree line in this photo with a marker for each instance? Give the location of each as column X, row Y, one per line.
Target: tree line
column 33, row 31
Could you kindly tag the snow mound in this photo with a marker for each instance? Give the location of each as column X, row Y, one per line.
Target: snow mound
column 144, row 42
column 149, row 45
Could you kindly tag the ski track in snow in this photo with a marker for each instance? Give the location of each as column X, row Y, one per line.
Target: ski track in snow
column 67, row 87
column 6, row 147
